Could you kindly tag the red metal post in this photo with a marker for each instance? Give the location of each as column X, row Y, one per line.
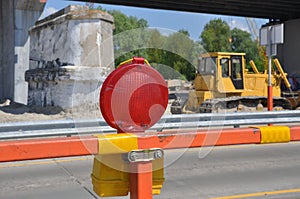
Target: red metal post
column 141, row 180
column 270, row 98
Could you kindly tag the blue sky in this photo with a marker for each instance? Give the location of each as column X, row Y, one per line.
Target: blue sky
column 174, row 20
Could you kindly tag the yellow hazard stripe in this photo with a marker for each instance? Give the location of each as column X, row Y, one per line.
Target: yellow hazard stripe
column 274, row 134
column 117, row 143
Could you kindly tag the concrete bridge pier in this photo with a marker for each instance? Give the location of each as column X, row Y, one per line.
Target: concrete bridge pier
column 16, row 17
column 288, row 52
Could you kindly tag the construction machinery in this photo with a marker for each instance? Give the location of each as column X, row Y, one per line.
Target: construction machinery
column 223, row 83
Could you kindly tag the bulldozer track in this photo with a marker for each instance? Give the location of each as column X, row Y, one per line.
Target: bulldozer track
column 228, row 103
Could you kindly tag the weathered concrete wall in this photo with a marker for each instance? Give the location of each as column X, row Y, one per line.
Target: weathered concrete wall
column 74, row 35
column 26, row 14
column 17, row 16
column 71, row 54
column 66, row 86
column 288, row 53
column 7, row 52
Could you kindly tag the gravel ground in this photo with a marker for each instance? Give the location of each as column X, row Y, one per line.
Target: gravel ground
column 14, row 112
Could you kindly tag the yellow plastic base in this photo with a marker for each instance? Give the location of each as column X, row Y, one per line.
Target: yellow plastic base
column 157, row 176
column 110, row 188
column 110, row 175
column 109, row 181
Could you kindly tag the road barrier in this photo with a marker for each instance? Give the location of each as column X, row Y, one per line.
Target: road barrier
column 28, row 149
column 113, row 182
column 141, row 180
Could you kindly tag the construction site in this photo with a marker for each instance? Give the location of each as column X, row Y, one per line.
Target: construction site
column 78, row 120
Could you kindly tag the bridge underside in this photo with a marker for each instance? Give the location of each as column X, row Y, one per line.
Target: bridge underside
column 271, row 9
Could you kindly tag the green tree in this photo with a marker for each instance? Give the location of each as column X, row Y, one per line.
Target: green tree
column 181, row 54
column 216, row 36
column 242, row 42
column 156, row 41
column 129, row 36
column 124, row 22
column 185, row 32
column 133, row 38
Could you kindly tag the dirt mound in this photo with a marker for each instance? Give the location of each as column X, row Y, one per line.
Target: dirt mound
column 11, row 111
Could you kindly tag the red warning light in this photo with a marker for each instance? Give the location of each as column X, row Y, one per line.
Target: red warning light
column 133, row 97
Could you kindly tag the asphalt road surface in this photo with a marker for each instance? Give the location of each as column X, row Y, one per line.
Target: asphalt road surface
column 245, row 171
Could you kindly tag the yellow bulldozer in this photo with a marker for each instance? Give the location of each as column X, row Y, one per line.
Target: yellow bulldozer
column 222, row 82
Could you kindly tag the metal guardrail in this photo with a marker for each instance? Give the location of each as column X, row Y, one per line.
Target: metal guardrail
column 69, row 127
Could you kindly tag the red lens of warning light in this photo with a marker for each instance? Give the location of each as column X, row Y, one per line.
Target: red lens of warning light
column 133, row 98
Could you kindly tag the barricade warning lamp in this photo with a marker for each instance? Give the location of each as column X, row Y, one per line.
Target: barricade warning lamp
column 132, row 99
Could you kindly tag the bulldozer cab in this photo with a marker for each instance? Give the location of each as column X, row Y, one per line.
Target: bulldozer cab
column 227, row 69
